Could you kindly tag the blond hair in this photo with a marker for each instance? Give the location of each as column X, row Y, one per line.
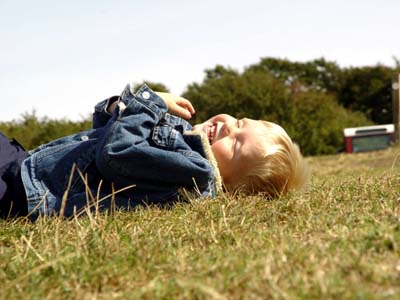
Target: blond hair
column 278, row 168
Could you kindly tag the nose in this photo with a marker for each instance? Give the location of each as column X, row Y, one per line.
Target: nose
column 229, row 128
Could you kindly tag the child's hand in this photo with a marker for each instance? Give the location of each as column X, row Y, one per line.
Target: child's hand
column 177, row 106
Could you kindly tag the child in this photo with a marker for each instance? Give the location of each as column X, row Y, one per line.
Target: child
column 138, row 153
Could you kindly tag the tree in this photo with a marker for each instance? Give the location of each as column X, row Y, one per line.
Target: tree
column 368, row 89
column 364, row 89
column 316, row 75
column 155, row 86
column 317, row 122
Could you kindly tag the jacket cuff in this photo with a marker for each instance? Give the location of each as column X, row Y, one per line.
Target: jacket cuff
column 146, row 96
column 100, row 114
column 102, row 107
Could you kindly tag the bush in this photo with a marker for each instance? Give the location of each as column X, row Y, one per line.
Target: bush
column 32, row 131
column 317, row 123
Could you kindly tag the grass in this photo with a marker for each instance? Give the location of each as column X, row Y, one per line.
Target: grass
column 339, row 239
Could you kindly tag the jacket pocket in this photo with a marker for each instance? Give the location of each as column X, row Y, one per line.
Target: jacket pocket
column 164, row 136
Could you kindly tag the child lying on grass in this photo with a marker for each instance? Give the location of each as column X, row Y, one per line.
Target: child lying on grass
column 141, row 150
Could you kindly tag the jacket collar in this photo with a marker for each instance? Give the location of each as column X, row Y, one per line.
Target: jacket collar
column 199, row 141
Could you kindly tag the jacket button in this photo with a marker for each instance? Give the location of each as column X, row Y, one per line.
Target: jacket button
column 84, row 137
column 146, row 95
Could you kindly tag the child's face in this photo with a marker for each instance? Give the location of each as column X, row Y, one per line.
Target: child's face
column 233, row 144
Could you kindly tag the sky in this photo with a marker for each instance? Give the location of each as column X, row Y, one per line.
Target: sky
column 60, row 58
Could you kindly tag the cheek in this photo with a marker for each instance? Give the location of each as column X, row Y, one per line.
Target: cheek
column 223, row 157
column 220, row 150
column 224, row 161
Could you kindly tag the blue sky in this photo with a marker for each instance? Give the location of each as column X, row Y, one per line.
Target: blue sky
column 61, row 57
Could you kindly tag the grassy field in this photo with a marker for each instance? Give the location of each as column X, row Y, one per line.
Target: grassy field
column 339, row 239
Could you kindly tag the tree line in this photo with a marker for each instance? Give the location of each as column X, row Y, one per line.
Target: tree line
column 312, row 100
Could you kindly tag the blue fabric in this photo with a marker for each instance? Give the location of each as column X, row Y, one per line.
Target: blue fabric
column 140, row 146
column 100, row 115
column 12, row 196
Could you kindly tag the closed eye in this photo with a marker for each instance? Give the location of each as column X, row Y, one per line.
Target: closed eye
column 235, row 143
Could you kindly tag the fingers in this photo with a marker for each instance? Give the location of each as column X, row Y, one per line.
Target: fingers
column 182, row 112
column 177, row 105
column 182, row 102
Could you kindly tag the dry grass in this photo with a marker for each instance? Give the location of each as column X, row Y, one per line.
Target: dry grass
column 339, row 239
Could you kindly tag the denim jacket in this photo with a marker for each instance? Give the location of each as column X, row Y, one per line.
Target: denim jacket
column 139, row 154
